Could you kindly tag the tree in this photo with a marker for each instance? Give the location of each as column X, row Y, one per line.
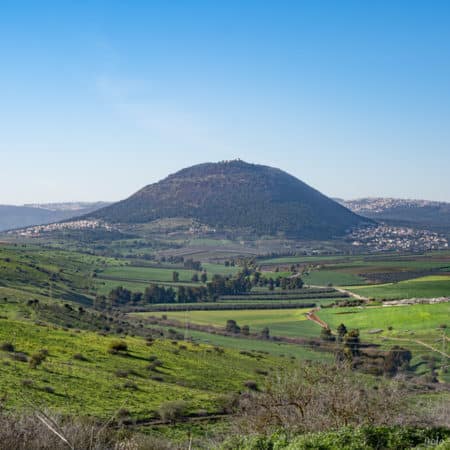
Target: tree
column 175, row 277
column 352, row 343
column 265, row 333
column 245, row 330
column 204, row 277
column 341, row 331
column 194, row 278
column 396, row 358
column 326, row 335
column 232, row 327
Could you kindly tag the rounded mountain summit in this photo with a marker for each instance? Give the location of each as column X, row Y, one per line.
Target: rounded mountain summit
column 235, row 195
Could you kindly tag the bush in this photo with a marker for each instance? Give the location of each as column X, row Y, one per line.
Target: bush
column 367, row 437
column 121, row 373
column 317, row 396
column 19, row 356
column 79, row 357
column 130, row 385
column 116, row 347
column 27, row 383
column 252, row 385
column 7, row 347
column 172, row 411
column 49, row 389
column 157, row 378
column 154, row 365
column 37, row 359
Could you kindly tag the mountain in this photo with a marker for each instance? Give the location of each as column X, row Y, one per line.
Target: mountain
column 239, row 196
column 413, row 213
column 23, row 216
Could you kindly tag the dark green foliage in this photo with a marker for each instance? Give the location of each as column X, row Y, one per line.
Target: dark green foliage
column 265, row 333
column 352, row 343
column 252, row 385
column 38, row 358
column 341, row 331
column 117, row 347
column 232, row 327
column 236, row 194
column 395, row 359
column 326, row 335
column 368, row 438
column 7, row 347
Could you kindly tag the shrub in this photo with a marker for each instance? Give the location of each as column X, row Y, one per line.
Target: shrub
column 7, row 347
column 79, row 357
column 171, row 411
column 130, row 385
column 49, row 389
column 154, row 365
column 26, row 382
column 121, row 373
column 116, row 347
column 157, row 378
column 252, row 385
column 19, row 356
column 37, row 359
column 317, row 396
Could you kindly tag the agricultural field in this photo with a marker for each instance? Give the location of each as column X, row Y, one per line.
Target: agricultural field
column 420, row 328
column 422, row 287
column 281, row 349
column 284, row 322
column 332, row 277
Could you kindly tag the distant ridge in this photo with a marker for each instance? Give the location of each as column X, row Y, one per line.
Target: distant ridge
column 237, row 195
column 407, row 212
column 12, row 216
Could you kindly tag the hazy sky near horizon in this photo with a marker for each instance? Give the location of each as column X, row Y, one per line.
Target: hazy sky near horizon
column 99, row 98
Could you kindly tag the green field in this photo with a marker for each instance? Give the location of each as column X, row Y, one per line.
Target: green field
column 301, row 352
column 333, row 277
column 145, row 274
column 423, row 287
column 284, row 322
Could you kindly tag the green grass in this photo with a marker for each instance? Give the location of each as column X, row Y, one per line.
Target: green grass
column 283, row 322
column 220, row 269
column 409, row 324
column 280, row 349
column 198, row 374
column 146, row 274
column 334, row 277
column 423, row 287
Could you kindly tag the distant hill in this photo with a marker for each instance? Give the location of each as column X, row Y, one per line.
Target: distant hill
column 23, row 216
column 237, row 195
column 414, row 213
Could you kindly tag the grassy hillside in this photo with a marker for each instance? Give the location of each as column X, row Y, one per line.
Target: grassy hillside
column 80, row 376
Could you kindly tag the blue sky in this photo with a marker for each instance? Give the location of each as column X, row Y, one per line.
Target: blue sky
column 99, row 98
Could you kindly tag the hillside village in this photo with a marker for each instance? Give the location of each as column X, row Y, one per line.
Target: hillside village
column 384, row 238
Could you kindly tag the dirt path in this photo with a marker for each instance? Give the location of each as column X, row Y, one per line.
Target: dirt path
column 352, row 294
column 311, row 315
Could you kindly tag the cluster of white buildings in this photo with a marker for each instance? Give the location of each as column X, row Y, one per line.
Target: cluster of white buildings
column 380, row 204
column 87, row 224
column 385, row 237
